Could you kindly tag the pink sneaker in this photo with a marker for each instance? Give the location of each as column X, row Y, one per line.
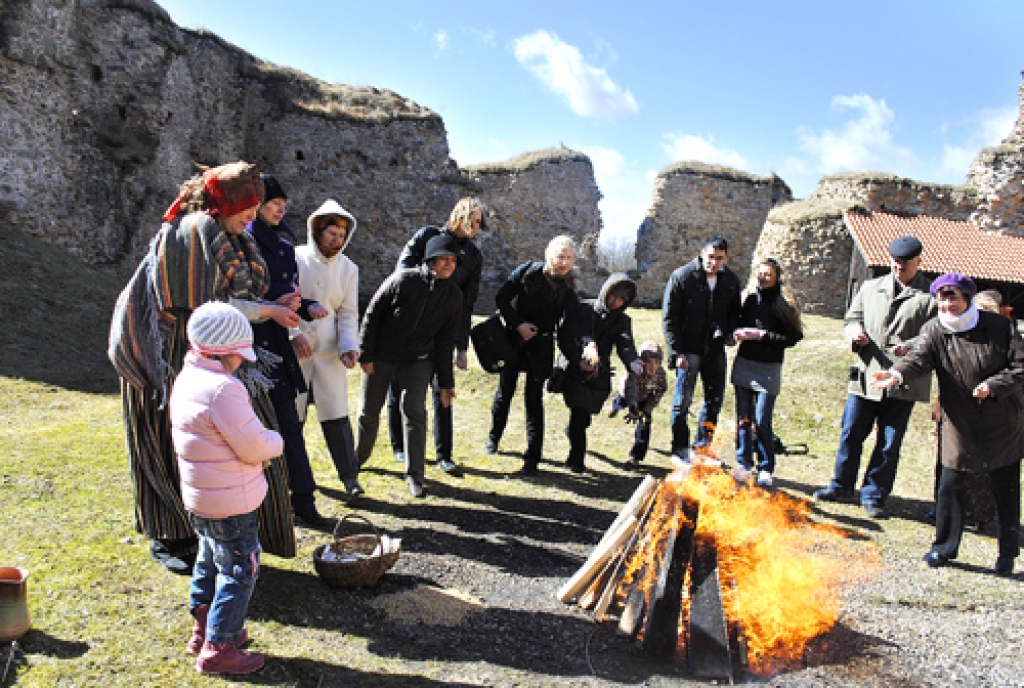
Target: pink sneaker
column 195, row 643
column 226, row 658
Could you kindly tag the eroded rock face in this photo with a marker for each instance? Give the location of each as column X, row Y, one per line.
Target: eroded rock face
column 531, row 199
column 693, row 201
column 997, row 176
column 810, row 241
column 108, row 105
column 893, row 194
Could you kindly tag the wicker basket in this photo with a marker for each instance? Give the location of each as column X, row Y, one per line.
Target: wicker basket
column 354, row 574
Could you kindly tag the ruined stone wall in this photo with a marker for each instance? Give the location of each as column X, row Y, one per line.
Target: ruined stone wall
column 893, row 194
column 531, row 199
column 997, row 176
column 106, row 106
column 693, row 201
column 812, row 244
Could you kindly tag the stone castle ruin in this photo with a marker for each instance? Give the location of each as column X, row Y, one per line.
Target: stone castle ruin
column 107, row 105
column 693, row 201
column 811, row 240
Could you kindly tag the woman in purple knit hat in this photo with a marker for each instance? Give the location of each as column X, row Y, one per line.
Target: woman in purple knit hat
column 978, row 359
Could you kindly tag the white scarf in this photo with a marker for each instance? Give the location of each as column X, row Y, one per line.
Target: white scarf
column 960, row 323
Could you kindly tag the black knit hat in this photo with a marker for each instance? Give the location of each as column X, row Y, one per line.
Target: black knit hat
column 273, row 188
column 441, row 245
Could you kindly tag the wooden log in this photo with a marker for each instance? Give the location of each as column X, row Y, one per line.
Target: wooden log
column 632, row 613
column 708, row 652
column 661, row 627
column 596, row 561
column 608, row 596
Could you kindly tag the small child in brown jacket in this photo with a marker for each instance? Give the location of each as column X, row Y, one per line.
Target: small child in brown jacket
column 640, row 394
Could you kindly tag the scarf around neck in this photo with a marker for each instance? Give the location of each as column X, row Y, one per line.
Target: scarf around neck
column 960, row 323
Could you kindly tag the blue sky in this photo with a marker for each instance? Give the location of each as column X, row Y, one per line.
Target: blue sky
column 802, row 89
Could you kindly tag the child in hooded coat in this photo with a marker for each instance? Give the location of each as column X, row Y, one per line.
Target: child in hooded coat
column 641, row 394
column 592, row 330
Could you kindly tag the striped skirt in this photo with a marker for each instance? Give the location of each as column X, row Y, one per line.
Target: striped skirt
column 159, row 512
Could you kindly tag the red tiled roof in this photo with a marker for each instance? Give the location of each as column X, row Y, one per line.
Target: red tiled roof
column 949, row 245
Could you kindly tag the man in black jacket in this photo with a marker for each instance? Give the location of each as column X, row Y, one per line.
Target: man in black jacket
column 533, row 302
column 700, row 310
column 409, row 331
column 466, row 219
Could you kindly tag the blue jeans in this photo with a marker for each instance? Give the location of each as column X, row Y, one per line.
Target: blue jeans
column 754, row 429
column 225, row 572
column 711, row 370
column 860, row 415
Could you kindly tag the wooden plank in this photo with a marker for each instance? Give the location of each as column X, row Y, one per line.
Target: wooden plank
column 661, row 629
column 632, row 613
column 596, row 561
column 648, row 486
column 708, row 650
column 608, row 596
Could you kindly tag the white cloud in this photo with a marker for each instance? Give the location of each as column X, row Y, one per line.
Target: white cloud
column 608, row 162
column 862, row 144
column 588, row 90
column 441, row 40
column 987, row 128
column 689, row 147
column 486, row 37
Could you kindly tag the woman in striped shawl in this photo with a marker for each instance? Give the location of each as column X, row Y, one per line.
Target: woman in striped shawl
column 200, row 254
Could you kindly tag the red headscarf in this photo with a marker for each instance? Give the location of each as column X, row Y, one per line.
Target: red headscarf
column 227, row 190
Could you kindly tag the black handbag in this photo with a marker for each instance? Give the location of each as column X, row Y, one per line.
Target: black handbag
column 494, row 349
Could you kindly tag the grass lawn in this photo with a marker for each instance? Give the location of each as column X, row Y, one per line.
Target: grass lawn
column 496, row 547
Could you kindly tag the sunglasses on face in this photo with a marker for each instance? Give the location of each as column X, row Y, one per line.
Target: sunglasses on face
column 949, row 293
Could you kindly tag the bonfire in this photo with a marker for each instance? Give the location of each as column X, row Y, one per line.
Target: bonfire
column 706, row 569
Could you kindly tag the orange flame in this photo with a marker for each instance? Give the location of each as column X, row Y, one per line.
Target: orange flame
column 783, row 575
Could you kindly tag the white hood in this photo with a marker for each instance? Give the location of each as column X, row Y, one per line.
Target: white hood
column 330, row 207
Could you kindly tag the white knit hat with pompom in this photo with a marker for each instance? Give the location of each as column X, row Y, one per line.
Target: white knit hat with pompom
column 217, row 328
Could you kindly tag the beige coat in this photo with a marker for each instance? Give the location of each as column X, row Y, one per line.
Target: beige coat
column 888, row 321
column 334, row 284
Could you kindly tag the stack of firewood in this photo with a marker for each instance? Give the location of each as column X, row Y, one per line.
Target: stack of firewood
column 651, row 577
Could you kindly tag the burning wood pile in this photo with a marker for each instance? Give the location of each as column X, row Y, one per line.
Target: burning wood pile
column 704, row 570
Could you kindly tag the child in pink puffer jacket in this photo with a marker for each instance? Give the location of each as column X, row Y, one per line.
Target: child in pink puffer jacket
column 221, row 447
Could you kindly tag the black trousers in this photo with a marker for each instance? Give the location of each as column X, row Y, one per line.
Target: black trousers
column 300, row 475
column 443, row 429
column 533, row 400
column 949, row 510
column 579, row 421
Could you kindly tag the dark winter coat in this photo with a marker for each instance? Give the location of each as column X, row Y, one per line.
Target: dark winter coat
column 593, row 321
column 413, row 316
column 283, row 274
column 529, row 296
column 779, row 335
column 977, row 434
column 466, row 276
column 695, row 319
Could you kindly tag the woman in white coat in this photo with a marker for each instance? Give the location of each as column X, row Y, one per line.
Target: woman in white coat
column 329, row 347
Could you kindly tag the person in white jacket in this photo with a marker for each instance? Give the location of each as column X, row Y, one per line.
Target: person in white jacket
column 329, row 347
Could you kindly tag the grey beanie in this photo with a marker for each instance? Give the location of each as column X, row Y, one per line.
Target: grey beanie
column 218, row 328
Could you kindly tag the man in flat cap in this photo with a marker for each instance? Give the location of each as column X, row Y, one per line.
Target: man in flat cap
column 884, row 319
